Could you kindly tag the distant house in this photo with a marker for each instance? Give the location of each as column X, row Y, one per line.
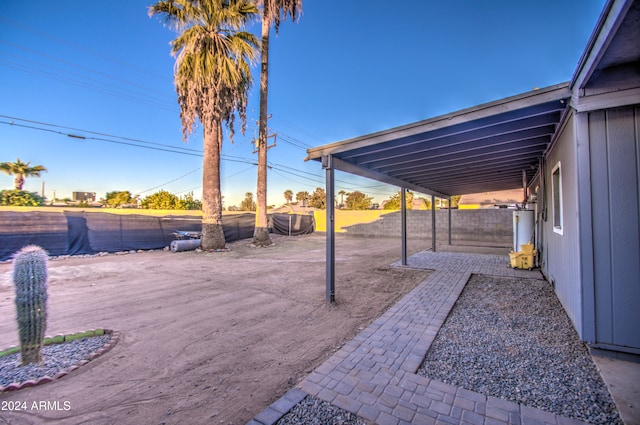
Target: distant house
column 573, row 147
column 498, row 199
column 83, row 196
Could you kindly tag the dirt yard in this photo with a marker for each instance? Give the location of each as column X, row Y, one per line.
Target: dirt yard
column 206, row 337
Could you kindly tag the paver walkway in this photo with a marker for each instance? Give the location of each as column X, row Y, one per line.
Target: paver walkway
column 374, row 375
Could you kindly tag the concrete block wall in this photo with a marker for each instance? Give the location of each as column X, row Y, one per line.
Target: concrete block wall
column 487, row 226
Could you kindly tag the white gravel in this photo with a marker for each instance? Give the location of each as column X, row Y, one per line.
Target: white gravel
column 511, row 338
column 56, row 358
column 313, row 411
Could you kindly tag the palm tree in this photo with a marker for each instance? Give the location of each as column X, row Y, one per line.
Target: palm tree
column 342, row 193
column 273, row 11
column 288, row 196
column 21, row 170
column 212, row 77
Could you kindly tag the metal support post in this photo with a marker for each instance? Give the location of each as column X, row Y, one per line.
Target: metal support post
column 433, row 223
column 403, row 215
column 449, row 221
column 331, row 246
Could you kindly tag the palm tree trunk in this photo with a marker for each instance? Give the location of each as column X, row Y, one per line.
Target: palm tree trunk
column 18, row 182
column 261, row 231
column 212, row 232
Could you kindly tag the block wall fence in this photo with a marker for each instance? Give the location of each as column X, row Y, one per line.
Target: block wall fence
column 486, row 226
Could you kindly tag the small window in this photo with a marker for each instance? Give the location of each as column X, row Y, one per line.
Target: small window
column 556, row 191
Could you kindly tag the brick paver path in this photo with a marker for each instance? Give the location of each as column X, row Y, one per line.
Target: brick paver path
column 374, row 375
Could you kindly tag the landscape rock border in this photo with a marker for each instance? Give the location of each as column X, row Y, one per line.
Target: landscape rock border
column 61, row 339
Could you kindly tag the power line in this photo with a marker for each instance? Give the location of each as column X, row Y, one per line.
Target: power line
column 127, row 141
column 170, row 181
column 85, row 81
column 130, row 139
column 80, row 47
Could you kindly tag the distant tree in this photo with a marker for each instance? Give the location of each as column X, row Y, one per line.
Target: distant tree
column 358, row 201
column 393, row 203
column 303, row 197
column 162, row 200
column 318, row 199
column 248, row 204
column 20, row 198
column 288, row 195
column 455, row 200
column 190, row 203
column 427, row 203
column 21, row 170
column 118, row 198
column 233, row 208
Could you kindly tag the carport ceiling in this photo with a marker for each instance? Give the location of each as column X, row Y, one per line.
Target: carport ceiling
column 480, row 149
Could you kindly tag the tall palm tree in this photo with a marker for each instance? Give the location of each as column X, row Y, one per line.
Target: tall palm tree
column 212, row 77
column 273, row 11
column 21, row 170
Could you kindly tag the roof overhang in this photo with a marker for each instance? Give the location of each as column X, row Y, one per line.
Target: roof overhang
column 608, row 74
column 489, row 147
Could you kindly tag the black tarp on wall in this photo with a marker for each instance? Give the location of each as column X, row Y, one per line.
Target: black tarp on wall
column 19, row 229
column 79, row 232
column 292, row 224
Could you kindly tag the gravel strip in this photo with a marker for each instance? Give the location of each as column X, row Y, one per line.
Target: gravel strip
column 511, row 338
column 313, row 411
column 56, row 358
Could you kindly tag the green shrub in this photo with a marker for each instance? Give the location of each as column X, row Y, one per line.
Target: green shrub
column 20, row 198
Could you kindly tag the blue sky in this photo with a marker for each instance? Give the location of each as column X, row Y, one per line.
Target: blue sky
column 347, row 68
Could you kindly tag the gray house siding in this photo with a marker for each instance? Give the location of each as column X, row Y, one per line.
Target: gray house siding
column 614, row 155
column 560, row 258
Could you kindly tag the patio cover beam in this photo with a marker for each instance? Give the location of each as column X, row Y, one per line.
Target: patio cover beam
column 348, row 167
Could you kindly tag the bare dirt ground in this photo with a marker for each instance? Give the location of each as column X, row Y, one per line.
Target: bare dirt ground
column 206, row 337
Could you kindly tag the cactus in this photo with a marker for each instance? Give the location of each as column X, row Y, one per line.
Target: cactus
column 30, row 280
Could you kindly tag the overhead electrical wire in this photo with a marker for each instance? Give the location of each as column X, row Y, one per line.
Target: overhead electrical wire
column 128, row 141
column 82, row 48
column 170, row 181
column 84, row 80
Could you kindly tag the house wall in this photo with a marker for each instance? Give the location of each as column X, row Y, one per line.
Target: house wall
column 560, row 253
column 614, row 162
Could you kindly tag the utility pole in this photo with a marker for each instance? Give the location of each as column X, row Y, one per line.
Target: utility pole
column 270, row 136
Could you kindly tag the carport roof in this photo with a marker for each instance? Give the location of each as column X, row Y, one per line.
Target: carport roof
column 479, row 149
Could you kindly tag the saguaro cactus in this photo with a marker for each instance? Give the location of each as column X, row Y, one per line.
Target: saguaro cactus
column 30, row 280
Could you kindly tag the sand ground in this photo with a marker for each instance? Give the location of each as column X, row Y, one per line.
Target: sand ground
column 205, row 337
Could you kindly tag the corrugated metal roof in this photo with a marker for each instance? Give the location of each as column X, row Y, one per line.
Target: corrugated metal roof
column 479, row 149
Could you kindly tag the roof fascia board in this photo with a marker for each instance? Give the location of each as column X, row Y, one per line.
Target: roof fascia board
column 606, row 100
column 610, row 20
column 348, row 167
column 547, row 94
